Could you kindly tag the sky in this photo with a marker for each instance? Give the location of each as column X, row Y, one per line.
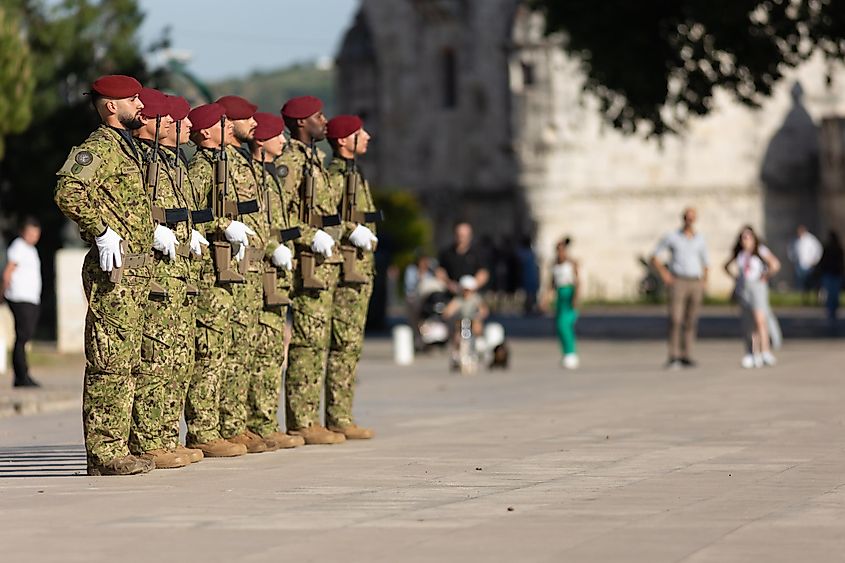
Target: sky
column 231, row 38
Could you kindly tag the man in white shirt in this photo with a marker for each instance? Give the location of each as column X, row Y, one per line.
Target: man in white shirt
column 804, row 252
column 22, row 290
column 686, row 279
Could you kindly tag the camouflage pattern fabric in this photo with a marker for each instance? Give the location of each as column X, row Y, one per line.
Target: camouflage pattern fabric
column 311, row 309
column 350, row 305
column 265, row 388
column 213, row 337
column 167, row 352
column 99, row 185
column 312, row 324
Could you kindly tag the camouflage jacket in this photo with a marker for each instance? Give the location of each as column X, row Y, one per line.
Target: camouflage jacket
column 278, row 218
column 169, row 195
column 245, row 181
column 363, row 202
column 101, row 184
column 296, row 158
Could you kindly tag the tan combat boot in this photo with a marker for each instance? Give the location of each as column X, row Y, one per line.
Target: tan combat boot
column 316, row 434
column 253, row 442
column 194, row 455
column 272, row 445
column 285, row 441
column 220, row 448
column 352, row 431
column 166, row 459
column 126, row 465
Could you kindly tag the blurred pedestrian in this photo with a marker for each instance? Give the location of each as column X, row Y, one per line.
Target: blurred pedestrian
column 686, row 279
column 830, row 268
column 529, row 274
column 563, row 288
column 755, row 266
column 462, row 258
column 22, row 290
column 804, row 252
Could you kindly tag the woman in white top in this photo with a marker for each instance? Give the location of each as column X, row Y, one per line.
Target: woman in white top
column 22, row 290
column 564, row 290
column 753, row 265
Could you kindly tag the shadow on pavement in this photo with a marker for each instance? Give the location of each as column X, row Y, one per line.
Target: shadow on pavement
column 42, row 461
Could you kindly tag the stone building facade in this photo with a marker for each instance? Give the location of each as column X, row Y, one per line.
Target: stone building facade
column 482, row 115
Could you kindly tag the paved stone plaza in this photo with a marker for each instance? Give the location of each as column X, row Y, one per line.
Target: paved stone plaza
column 619, row 461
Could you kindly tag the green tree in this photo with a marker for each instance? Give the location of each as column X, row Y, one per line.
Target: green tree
column 71, row 43
column 654, row 64
column 16, row 80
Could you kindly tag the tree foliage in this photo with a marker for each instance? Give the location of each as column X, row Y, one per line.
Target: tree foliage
column 70, row 43
column 16, row 80
column 654, row 64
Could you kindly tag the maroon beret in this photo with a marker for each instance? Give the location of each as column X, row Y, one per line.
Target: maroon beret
column 203, row 117
column 237, row 107
column 269, row 126
column 301, row 107
column 155, row 103
column 178, row 107
column 343, row 126
column 117, row 86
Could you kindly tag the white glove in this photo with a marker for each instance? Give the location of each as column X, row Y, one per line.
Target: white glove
column 363, row 237
column 165, row 241
column 282, row 257
column 237, row 232
column 323, row 243
column 197, row 242
column 109, row 246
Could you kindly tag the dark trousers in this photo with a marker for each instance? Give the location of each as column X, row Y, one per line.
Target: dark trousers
column 26, row 317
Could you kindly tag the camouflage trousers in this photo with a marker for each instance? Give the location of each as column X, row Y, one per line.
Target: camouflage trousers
column 265, row 386
column 351, row 302
column 313, row 312
column 213, row 339
column 240, row 363
column 113, row 331
column 167, row 357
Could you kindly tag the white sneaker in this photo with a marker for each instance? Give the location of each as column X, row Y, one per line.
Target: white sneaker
column 747, row 361
column 768, row 359
column 571, row 361
column 758, row 361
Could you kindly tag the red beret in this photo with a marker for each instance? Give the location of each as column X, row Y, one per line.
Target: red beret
column 179, row 107
column 269, row 126
column 237, row 107
column 203, row 117
column 301, row 107
column 117, row 86
column 155, row 103
column 343, row 126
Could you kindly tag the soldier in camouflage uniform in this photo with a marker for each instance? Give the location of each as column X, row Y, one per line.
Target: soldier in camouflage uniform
column 348, row 138
column 165, row 347
column 214, row 332
column 265, row 388
column 192, row 253
column 248, row 297
column 101, row 188
column 313, row 290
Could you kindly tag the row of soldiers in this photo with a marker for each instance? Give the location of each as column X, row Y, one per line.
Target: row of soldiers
column 194, row 264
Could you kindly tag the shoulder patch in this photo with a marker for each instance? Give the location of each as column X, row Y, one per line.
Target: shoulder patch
column 81, row 164
column 282, row 170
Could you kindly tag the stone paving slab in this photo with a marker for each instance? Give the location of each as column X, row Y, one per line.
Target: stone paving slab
column 619, row 461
